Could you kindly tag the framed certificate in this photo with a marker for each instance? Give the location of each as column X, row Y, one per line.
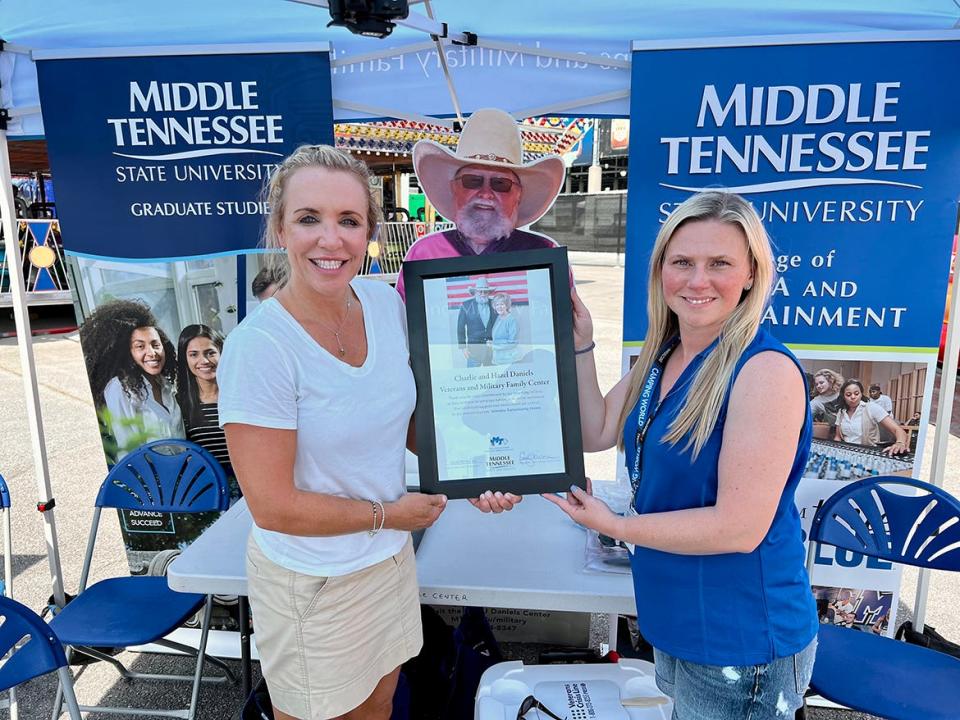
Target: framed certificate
column 491, row 346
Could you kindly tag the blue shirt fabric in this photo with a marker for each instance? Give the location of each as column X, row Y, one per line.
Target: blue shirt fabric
column 727, row 609
column 504, row 336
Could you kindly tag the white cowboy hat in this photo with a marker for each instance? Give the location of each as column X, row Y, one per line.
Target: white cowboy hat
column 490, row 138
column 480, row 284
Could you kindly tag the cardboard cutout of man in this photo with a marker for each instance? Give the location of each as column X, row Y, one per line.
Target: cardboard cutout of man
column 475, row 325
column 486, row 189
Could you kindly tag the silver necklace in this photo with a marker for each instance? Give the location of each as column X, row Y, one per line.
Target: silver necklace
column 336, row 333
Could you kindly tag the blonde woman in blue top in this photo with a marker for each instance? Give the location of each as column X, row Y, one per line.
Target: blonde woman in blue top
column 716, row 428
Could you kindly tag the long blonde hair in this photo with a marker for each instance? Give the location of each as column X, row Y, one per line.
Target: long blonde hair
column 700, row 411
column 833, row 377
column 320, row 156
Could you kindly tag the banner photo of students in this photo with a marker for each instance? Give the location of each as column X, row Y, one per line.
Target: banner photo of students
column 159, row 157
column 848, row 151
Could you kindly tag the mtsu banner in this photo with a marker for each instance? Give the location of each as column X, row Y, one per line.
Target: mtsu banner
column 848, row 150
column 161, row 152
column 159, row 156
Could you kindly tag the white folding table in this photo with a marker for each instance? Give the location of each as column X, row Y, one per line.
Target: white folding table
column 530, row 558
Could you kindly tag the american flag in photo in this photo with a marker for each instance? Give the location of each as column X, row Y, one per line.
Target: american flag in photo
column 513, row 284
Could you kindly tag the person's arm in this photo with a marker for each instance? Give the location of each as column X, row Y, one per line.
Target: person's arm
column 900, row 446
column 126, row 420
column 412, row 435
column 599, row 415
column 753, row 469
column 837, row 436
column 259, row 412
column 263, row 460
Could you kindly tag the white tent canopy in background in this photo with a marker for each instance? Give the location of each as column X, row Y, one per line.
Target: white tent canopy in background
column 405, row 79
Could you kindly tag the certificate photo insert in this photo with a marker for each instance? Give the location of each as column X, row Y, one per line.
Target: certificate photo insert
column 491, row 348
column 493, row 368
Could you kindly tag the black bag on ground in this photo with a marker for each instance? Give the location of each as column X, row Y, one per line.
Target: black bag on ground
column 259, row 707
column 929, row 638
column 445, row 676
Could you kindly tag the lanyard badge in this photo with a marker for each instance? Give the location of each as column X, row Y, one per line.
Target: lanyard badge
column 646, row 412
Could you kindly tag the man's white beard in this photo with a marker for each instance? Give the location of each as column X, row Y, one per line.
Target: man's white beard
column 482, row 226
column 482, row 299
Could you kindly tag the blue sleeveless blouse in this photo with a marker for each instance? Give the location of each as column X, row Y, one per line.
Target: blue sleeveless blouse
column 729, row 609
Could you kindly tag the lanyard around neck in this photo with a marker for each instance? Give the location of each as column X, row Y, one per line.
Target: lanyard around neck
column 645, row 413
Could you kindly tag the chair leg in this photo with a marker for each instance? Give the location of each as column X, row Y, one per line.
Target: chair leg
column 14, row 710
column 201, row 652
column 66, row 686
column 187, row 650
column 120, row 667
column 58, row 698
column 57, row 701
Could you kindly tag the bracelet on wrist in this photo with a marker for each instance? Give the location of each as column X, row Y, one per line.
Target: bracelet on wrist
column 583, row 351
column 377, row 527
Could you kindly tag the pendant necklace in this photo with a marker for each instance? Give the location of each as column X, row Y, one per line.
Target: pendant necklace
column 336, row 333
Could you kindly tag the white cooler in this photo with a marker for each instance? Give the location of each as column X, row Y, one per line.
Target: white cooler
column 574, row 692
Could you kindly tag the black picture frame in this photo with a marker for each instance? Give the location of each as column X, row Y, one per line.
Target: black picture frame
column 553, row 260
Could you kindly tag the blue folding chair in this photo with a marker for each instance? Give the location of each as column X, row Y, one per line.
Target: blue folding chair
column 906, row 521
column 7, row 539
column 7, row 582
column 162, row 476
column 31, row 649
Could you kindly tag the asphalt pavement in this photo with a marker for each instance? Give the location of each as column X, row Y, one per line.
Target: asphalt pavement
column 76, row 468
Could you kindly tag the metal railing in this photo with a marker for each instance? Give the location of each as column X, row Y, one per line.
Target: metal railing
column 44, row 269
column 393, row 240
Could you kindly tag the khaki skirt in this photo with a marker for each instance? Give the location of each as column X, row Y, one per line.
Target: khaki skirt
column 325, row 643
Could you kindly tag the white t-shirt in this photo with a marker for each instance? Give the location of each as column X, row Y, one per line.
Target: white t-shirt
column 138, row 419
column 351, row 422
column 851, row 428
column 885, row 402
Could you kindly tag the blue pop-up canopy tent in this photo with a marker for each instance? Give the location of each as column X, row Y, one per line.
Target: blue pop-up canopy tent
column 530, row 58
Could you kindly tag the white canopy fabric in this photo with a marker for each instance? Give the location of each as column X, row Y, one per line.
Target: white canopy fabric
column 401, row 75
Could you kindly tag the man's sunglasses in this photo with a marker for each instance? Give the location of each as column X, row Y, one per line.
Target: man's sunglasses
column 475, row 182
column 529, row 703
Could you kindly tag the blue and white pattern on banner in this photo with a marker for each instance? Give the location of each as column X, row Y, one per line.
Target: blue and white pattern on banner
column 848, row 150
column 164, row 155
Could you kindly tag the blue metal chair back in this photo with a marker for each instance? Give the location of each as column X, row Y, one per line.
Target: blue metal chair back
column 4, row 494
column 868, row 517
column 166, row 476
column 40, row 654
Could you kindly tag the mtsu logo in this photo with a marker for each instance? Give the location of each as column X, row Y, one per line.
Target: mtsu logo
column 497, row 441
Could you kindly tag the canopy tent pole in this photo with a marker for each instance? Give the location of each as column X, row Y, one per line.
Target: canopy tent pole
column 442, row 57
column 437, row 31
column 948, row 381
column 27, row 364
column 559, row 108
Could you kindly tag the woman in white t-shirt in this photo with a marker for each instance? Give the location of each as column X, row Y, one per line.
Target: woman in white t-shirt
column 859, row 422
column 316, row 398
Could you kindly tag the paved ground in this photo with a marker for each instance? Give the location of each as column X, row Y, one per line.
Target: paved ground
column 77, row 466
